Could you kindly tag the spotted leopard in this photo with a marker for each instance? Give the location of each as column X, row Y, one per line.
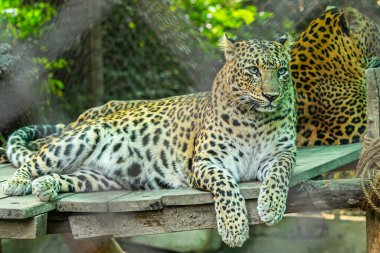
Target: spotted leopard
column 244, row 129
column 327, row 65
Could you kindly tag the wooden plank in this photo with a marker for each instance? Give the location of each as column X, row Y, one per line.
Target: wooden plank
column 22, row 207
column 326, row 195
column 6, row 172
column 373, row 131
column 123, row 201
column 24, row 229
column 3, row 165
column 137, row 201
column 170, row 219
column 89, row 202
column 183, row 197
column 2, row 193
column 315, row 161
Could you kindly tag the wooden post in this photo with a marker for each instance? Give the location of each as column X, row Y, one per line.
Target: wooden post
column 96, row 54
column 373, row 131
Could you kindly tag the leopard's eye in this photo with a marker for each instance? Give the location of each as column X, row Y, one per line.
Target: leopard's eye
column 282, row 71
column 254, row 71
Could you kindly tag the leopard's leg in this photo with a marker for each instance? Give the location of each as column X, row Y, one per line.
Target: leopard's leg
column 85, row 180
column 231, row 212
column 275, row 175
column 65, row 153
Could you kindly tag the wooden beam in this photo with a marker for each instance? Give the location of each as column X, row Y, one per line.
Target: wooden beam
column 22, row 207
column 24, row 229
column 373, row 131
column 314, row 196
column 102, row 245
column 314, row 161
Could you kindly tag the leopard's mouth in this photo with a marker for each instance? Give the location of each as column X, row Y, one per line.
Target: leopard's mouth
column 263, row 107
column 267, row 108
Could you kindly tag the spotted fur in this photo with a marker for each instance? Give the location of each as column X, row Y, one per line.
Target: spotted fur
column 327, row 68
column 244, row 129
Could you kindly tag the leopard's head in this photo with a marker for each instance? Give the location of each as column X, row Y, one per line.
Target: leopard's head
column 256, row 75
column 364, row 31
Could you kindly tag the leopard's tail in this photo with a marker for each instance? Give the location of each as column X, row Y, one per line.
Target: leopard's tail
column 26, row 141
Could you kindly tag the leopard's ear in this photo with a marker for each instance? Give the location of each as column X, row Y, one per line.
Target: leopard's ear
column 286, row 41
column 228, row 44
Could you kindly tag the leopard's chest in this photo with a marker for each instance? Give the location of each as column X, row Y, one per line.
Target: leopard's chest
column 252, row 155
column 248, row 149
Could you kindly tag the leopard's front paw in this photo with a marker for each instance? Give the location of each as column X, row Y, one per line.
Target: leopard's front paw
column 16, row 186
column 271, row 203
column 45, row 188
column 232, row 221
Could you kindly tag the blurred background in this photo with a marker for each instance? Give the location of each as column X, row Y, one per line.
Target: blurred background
column 61, row 57
column 65, row 56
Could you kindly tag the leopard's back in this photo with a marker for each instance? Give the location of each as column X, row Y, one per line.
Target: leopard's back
column 327, row 67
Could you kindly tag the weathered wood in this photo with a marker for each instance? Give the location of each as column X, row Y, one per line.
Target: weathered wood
column 2, row 193
column 103, row 245
column 24, row 229
column 373, row 131
column 89, row 202
column 58, row 223
column 373, row 102
column 184, row 197
column 325, row 195
column 22, row 207
column 373, row 231
column 3, row 165
column 137, row 201
column 6, row 171
column 314, row 161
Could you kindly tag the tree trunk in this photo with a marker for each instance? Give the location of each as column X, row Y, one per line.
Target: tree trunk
column 96, row 54
column 373, row 112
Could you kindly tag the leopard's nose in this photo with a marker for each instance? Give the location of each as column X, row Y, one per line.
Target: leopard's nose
column 271, row 96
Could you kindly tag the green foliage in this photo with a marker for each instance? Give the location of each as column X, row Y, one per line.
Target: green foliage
column 126, row 76
column 214, row 17
column 24, row 20
column 27, row 22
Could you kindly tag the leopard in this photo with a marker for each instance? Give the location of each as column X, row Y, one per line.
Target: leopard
column 243, row 129
column 328, row 63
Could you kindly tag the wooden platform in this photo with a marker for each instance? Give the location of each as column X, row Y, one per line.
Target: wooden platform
column 129, row 213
